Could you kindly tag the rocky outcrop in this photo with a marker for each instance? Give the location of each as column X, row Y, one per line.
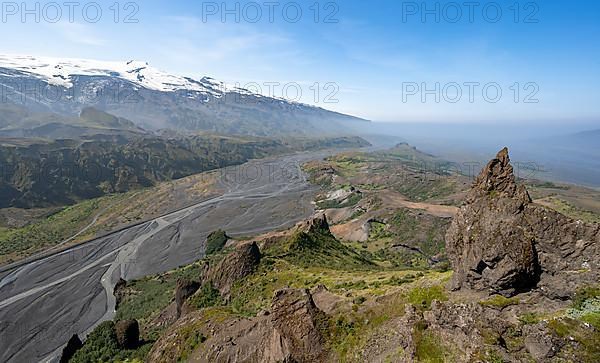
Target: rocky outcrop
column 298, row 325
column 540, row 342
column 486, row 243
column 290, row 332
column 120, row 291
column 128, row 333
column 316, row 225
column 71, row 348
column 240, row 263
column 502, row 242
column 184, row 289
column 471, row 326
column 465, row 325
column 325, row 300
column 465, row 332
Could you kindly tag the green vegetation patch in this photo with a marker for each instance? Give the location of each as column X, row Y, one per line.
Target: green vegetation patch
column 419, row 240
column 150, row 295
column 206, row 297
column 323, row 250
column 499, row 301
column 428, row 346
column 587, row 338
column 571, row 211
column 419, row 190
column 52, row 230
column 585, row 294
column 586, row 306
column 215, row 242
column 348, row 165
column 428, row 231
column 529, row 318
column 421, row 297
column 102, row 346
column 345, row 333
column 378, row 230
column 547, row 185
column 351, row 201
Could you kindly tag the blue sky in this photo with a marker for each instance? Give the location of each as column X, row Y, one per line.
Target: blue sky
column 369, row 56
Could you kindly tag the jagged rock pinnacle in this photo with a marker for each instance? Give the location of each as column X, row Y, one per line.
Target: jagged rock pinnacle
column 498, row 178
column 484, row 242
column 502, row 242
column 317, row 224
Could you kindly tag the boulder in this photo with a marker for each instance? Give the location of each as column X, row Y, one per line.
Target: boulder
column 540, row 342
column 128, row 333
column 240, row 263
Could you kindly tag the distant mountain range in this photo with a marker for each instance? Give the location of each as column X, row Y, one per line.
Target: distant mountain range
column 51, row 93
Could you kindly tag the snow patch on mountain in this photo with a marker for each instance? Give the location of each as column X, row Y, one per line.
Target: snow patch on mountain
column 59, row 71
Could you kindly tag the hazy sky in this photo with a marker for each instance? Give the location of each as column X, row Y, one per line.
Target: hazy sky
column 371, row 59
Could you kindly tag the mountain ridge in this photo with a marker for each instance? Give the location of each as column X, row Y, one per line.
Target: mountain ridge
column 154, row 99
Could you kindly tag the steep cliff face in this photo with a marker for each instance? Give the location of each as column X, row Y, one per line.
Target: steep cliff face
column 502, row 242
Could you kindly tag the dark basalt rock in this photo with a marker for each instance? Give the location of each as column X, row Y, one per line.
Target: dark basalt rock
column 316, row 225
column 128, row 333
column 297, row 321
column 119, row 291
column 502, row 242
column 183, row 291
column 540, row 342
column 240, row 263
column 71, row 348
column 486, row 244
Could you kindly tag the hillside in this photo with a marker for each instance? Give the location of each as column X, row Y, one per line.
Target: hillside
column 18, row 122
column 376, row 268
column 153, row 99
column 49, row 173
column 306, row 295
